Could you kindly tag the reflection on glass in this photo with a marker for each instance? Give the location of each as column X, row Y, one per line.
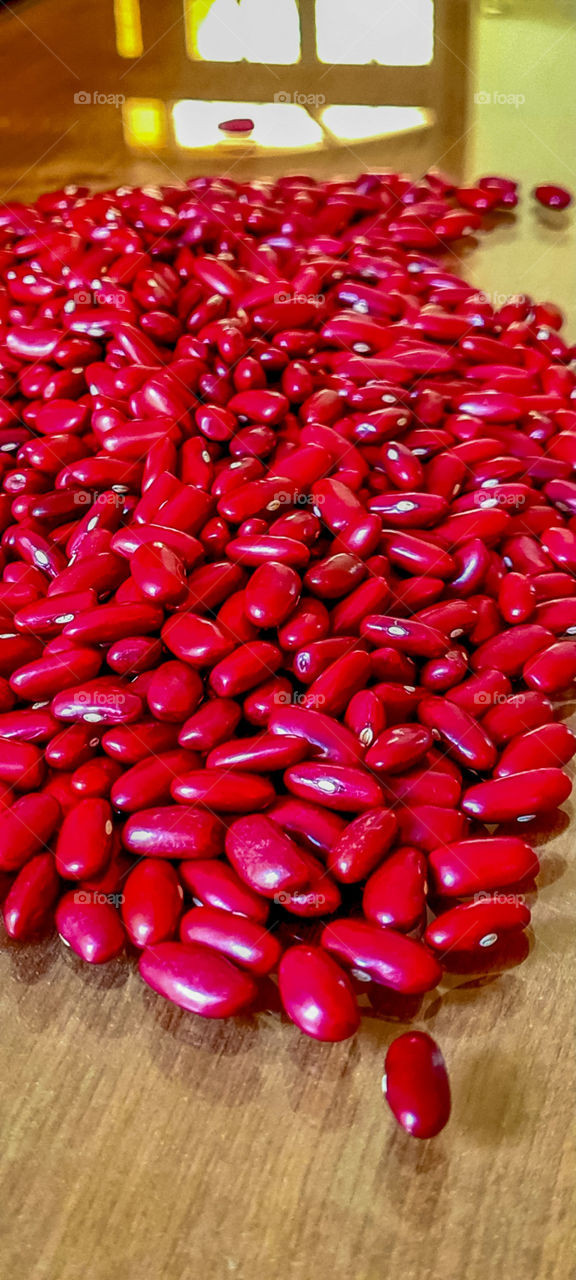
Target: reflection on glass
column 276, row 125
column 360, row 124
column 242, row 30
column 389, row 32
column 144, row 122
column 129, row 43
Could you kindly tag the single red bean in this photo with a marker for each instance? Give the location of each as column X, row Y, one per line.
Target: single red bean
column 197, row 979
column 395, row 894
column 398, row 748
column 243, row 669
column 517, row 713
column 95, row 778
column 29, row 904
column 362, row 845
column 430, row 825
column 21, row 765
column 85, row 841
column 546, row 746
column 152, row 902
column 313, row 826
column 388, row 957
column 92, row 929
column 464, row 867
column 100, row 702
column 550, row 671
column 416, row 1085
column 465, row 739
column 340, row 787
column 327, row 739
column 266, row 859
column 243, row 940
column 149, row 781
column 174, row 692
column 477, row 924
column 224, row 790
column 317, row 995
column 517, row 795
column 215, row 884
column 26, row 828
column 172, row 831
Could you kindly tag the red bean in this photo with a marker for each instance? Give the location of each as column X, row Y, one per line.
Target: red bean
column 245, row 668
column 85, row 841
column 317, row 995
column 315, row 827
column 131, row 743
column 29, row 904
column 215, row 884
column 265, row 858
column 398, row 748
column 91, row 928
column 197, row 979
column 430, row 825
column 517, row 795
column 172, row 831
column 415, row 1084
column 26, row 828
column 547, row 745
column 471, row 866
column 152, row 902
column 340, row 787
column 395, row 894
column 224, row 790
column 149, row 781
column 550, row 671
column 465, row 740
column 477, row 924
column 387, row 957
column 362, row 845
column 328, row 740
column 243, row 940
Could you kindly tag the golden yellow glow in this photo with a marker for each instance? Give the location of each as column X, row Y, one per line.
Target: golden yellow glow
column 129, row 43
column 277, row 125
column 242, row 30
column 388, row 32
column 360, row 124
column 144, row 122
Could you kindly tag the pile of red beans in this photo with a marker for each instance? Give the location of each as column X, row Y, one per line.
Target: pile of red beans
column 288, row 519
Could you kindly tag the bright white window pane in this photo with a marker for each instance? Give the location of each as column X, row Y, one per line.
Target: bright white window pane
column 237, row 30
column 276, row 124
column 389, row 32
column 359, row 124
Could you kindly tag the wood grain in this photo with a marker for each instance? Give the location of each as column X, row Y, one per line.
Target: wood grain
column 141, row 1143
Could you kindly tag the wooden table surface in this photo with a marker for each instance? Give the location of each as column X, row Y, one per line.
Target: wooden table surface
column 142, row 1143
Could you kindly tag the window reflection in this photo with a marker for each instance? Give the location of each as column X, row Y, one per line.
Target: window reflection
column 243, row 30
column 389, row 32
